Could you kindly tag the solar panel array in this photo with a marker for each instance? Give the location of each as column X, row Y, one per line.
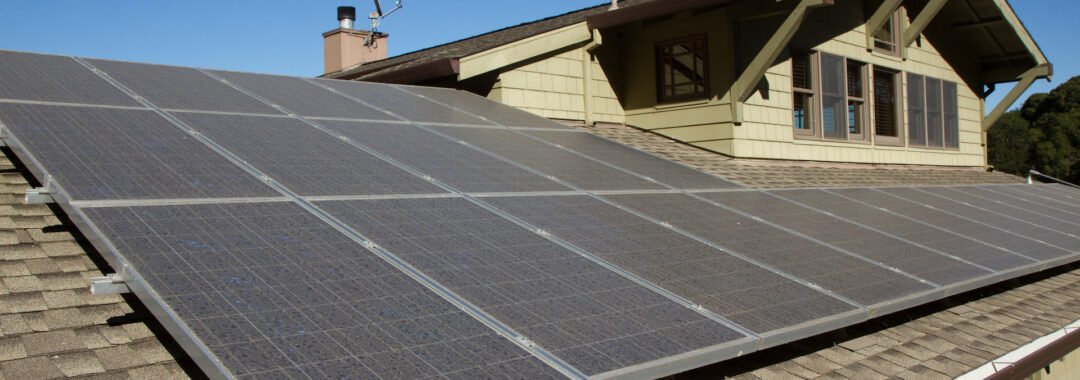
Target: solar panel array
column 309, row 228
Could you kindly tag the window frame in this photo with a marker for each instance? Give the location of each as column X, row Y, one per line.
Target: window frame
column 946, row 144
column 815, row 112
column 898, row 107
column 894, row 31
column 660, row 55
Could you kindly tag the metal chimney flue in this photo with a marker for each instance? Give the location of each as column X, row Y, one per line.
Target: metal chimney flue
column 346, row 17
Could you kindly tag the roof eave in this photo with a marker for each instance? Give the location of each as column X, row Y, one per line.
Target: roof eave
column 442, row 68
column 644, row 11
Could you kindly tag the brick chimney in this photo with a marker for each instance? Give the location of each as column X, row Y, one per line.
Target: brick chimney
column 345, row 46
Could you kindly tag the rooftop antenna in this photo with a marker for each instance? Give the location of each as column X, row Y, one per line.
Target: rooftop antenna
column 376, row 18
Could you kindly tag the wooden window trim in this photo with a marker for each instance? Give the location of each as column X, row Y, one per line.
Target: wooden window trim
column 901, row 136
column 926, row 116
column 895, row 21
column 661, row 93
column 814, row 116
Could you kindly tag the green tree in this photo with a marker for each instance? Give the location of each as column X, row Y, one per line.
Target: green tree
column 1043, row 135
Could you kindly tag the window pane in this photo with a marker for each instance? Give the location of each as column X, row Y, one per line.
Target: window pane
column 952, row 117
column 855, row 117
column 934, row 127
column 885, row 104
column 800, row 71
column 682, row 69
column 855, row 79
column 803, row 103
column 833, row 103
column 885, row 39
column 916, row 110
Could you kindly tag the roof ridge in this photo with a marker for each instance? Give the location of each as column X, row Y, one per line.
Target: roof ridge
column 483, row 34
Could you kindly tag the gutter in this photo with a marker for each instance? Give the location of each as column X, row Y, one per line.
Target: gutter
column 1029, row 359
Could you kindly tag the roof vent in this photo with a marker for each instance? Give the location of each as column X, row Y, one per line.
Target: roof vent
column 346, row 16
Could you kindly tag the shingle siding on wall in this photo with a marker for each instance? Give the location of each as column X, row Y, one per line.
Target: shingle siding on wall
column 766, row 132
column 555, row 88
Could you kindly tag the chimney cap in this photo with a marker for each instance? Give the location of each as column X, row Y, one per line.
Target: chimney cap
column 346, row 13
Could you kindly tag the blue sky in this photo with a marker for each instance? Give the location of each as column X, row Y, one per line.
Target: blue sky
column 284, row 36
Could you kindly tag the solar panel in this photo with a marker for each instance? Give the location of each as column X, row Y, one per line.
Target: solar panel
column 917, row 209
column 1044, row 194
column 269, row 289
column 589, row 316
column 552, row 161
column 305, row 159
column 749, row 295
column 108, row 154
column 983, row 216
column 171, row 87
column 301, row 97
column 443, row 159
column 888, row 250
column 451, row 238
column 402, row 103
column 1044, row 228
column 51, row 78
column 912, row 230
column 666, row 172
column 489, row 110
column 842, row 274
column 1048, row 215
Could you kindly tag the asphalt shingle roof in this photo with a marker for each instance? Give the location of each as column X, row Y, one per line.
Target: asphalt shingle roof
column 475, row 44
column 50, row 324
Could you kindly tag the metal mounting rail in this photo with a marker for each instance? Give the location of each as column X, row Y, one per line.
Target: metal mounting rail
column 1035, row 173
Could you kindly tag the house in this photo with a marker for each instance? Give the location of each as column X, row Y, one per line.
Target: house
column 853, row 81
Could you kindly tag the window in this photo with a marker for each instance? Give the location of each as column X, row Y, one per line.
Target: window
column 828, row 91
column 887, row 39
column 802, row 83
column 856, row 97
column 932, row 110
column 682, row 69
column 886, row 112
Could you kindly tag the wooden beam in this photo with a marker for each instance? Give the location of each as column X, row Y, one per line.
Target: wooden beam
column 921, row 22
column 878, row 20
column 1026, row 80
column 747, row 82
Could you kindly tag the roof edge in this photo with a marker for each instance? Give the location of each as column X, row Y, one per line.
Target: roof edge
column 639, row 12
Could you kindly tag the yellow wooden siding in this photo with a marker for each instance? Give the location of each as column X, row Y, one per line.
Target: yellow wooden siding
column 555, row 88
column 767, row 133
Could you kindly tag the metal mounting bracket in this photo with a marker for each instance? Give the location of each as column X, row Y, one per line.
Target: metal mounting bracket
column 113, row 283
column 40, row 195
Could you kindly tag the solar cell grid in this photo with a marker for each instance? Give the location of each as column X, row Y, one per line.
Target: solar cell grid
column 549, row 160
column 305, row 159
column 666, row 172
column 300, row 97
column 50, row 78
column 999, row 221
column 445, row 160
column 1044, row 194
column 465, row 101
column 1031, row 224
column 110, row 154
column 744, row 293
column 991, row 257
column 184, row 88
column 914, row 260
column 1046, row 214
column 401, row 103
column 954, row 223
column 842, row 274
column 271, row 290
column 587, row 315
